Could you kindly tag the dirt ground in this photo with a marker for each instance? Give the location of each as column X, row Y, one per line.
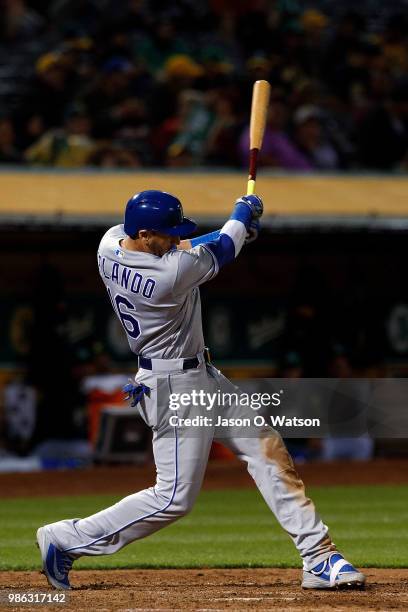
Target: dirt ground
column 209, row 589
column 204, row 589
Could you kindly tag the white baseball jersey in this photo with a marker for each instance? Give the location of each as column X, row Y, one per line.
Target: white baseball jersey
column 157, row 298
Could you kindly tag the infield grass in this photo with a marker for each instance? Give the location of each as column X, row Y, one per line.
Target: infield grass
column 230, row 528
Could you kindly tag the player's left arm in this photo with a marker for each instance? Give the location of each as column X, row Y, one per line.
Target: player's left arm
column 186, row 245
column 240, row 214
column 201, row 263
column 234, row 232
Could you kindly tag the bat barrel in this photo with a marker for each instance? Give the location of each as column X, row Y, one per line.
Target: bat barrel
column 259, row 109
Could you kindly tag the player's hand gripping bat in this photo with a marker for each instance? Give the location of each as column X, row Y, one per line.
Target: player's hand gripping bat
column 259, row 109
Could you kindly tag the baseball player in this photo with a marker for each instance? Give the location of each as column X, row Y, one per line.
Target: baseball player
column 153, row 283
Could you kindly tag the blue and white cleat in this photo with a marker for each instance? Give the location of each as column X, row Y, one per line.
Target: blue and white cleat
column 56, row 563
column 333, row 573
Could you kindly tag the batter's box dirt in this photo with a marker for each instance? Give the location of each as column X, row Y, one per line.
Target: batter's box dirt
column 212, row 589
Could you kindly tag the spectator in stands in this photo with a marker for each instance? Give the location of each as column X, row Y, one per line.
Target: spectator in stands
column 51, row 90
column 68, row 147
column 31, row 128
column 129, row 62
column 180, row 74
column 383, row 133
column 111, row 156
column 220, row 144
column 258, row 67
column 81, row 16
column 219, row 50
column 311, row 141
column 18, row 23
column 218, row 71
column 194, row 120
column 109, row 98
column 278, row 150
column 314, row 24
column 163, row 43
column 8, row 151
column 194, row 123
column 340, row 68
column 135, row 17
column 394, row 44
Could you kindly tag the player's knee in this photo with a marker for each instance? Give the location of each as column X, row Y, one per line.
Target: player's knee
column 178, row 502
column 183, row 505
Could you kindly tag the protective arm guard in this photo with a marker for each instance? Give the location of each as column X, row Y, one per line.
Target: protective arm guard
column 205, row 238
column 233, row 234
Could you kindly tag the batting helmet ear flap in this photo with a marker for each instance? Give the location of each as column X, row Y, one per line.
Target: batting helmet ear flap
column 157, row 210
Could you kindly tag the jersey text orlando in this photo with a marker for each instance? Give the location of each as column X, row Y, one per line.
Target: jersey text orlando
column 127, row 278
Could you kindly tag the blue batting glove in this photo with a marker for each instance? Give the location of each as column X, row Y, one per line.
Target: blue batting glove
column 253, row 231
column 255, row 204
column 135, row 392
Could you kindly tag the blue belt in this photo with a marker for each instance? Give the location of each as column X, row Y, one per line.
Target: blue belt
column 188, row 364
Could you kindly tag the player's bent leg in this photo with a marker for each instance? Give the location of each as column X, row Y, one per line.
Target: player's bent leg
column 273, row 471
column 134, row 517
column 180, row 462
column 140, row 514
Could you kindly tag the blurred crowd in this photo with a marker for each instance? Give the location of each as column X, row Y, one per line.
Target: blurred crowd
column 151, row 83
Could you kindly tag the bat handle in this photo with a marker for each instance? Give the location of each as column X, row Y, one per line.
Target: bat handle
column 250, row 187
column 253, row 164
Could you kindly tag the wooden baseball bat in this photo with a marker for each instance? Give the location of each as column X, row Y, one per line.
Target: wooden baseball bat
column 259, row 109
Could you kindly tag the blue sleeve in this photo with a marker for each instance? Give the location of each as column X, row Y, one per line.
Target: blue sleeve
column 205, row 238
column 221, row 246
column 226, row 243
column 223, row 249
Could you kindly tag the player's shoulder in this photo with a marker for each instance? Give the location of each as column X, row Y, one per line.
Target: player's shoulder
column 198, row 257
column 170, row 259
column 177, row 259
column 181, row 256
column 117, row 231
column 198, row 251
column 111, row 237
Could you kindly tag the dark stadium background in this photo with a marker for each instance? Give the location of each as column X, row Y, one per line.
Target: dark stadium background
column 94, row 86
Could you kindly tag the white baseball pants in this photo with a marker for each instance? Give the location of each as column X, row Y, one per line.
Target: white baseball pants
column 181, row 462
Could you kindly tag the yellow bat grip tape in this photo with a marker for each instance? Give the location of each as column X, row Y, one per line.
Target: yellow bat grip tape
column 251, row 187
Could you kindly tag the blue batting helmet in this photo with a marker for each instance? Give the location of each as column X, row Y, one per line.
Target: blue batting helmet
column 156, row 210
